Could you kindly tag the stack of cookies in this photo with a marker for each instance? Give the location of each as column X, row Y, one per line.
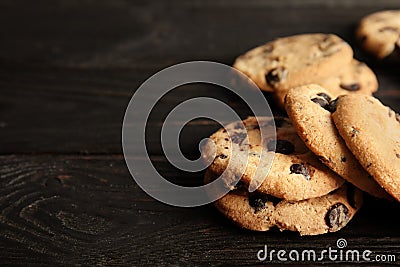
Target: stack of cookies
column 299, row 193
column 336, row 142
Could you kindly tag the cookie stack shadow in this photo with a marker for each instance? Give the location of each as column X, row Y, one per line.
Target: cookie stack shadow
column 337, row 142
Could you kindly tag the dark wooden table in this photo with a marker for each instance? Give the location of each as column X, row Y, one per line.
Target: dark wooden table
column 67, row 72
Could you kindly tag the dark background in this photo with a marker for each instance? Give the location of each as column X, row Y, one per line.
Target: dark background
column 67, row 72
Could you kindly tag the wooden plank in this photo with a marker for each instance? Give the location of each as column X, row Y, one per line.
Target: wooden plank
column 129, row 34
column 66, row 92
column 73, row 111
column 81, row 111
column 87, row 210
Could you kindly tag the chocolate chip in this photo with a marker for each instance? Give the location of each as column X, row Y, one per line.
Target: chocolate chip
column 226, row 139
column 257, row 201
column 238, row 138
column 321, row 101
column 337, row 216
column 222, row 156
column 332, row 105
column 398, row 155
column 281, row 146
column 350, row 87
column 325, row 96
column 343, row 159
column 351, row 194
column 324, row 101
column 275, row 76
column 300, row 169
column 226, row 147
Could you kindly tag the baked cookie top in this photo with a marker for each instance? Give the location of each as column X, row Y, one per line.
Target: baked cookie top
column 356, row 77
column 296, row 60
column 295, row 172
column 372, row 133
column 309, row 108
column 379, row 33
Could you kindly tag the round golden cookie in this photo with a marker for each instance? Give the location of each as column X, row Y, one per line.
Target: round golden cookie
column 372, row 133
column 379, row 33
column 354, row 78
column 260, row 212
column 295, row 173
column 295, row 60
column 309, row 108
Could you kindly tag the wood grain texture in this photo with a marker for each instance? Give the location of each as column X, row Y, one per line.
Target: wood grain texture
column 65, row 85
column 67, row 72
column 81, row 111
column 87, row 210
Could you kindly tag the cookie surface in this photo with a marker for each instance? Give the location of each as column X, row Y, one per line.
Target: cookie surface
column 260, row 212
column 296, row 60
column 379, row 33
column 372, row 133
column 295, row 173
column 309, row 108
column 319, row 215
column 354, row 78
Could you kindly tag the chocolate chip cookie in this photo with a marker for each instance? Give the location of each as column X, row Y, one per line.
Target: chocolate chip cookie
column 260, row 212
column 319, row 215
column 309, row 108
column 296, row 60
column 372, row 133
column 356, row 77
column 295, row 173
column 379, row 33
